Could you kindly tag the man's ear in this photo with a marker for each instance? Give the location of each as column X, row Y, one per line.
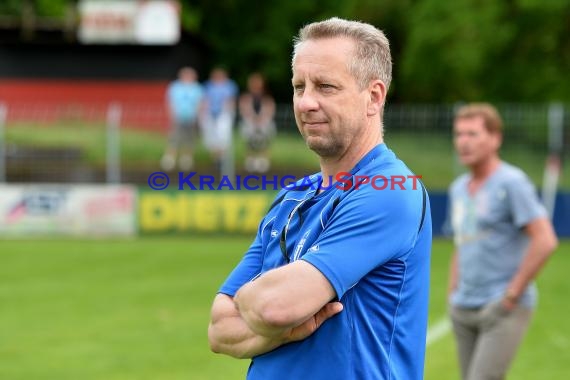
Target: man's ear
column 498, row 140
column 377, row 93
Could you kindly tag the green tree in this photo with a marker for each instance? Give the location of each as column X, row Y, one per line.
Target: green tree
column 51, row 8
column 535, row 64
column 247, row 35
column 42, row 8
column 10, row 8
column 487, row 49
column 443, row 51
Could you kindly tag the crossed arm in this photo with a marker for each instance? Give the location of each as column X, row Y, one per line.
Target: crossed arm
column 284, row 305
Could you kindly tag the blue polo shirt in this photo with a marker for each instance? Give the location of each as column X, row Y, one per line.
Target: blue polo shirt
column 489, row 234
column 369, row 245
column 218, row 94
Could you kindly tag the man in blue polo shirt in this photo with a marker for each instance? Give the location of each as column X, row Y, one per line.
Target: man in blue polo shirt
column 335, row 285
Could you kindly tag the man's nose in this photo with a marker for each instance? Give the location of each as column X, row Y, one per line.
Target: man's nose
column 306, row 101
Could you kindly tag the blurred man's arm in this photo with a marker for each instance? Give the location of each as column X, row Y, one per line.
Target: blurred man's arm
column 245, row 108
column 542, row 243
column 268, row 110
column 229, row 334
column 284, row 298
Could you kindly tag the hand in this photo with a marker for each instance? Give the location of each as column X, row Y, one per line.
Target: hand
column 509, row 301
column 311, row 325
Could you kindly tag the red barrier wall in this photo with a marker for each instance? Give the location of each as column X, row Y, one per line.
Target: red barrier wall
column 48, row 101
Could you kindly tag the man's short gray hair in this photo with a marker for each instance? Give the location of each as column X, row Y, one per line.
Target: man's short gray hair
column 372, row 59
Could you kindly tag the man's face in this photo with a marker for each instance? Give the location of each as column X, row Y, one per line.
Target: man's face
column 218, row 75
column 188, row 75
column 473, row 142
column 330, row 108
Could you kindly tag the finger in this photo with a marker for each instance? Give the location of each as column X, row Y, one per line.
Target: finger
column 327, row 311
column 336, row 307
column 333, row 308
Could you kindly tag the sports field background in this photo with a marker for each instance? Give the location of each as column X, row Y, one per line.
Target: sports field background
column 139, row 309
column 428, row 153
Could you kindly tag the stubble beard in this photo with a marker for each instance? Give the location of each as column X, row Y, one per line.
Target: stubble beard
column 326, row 146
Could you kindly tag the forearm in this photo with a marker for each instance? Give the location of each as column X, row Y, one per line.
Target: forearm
column 267, row 113
column 233, row 337
column 258, row 317
column 531, row 265
column 229, row 334
column 247, row 113
column 283, row 298
column 264, row 315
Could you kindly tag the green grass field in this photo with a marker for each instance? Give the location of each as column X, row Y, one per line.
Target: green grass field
column 139, row 309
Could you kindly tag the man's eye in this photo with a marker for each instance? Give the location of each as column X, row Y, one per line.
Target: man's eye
column 327, row 87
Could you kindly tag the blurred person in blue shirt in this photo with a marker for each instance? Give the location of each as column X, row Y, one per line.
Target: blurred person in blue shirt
column 335, row 285
column 183, row 98
column 218, row 113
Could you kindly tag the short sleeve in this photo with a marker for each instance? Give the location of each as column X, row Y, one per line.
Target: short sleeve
column 367, row 229
column 251, row 264
column 248, row 268
column 523, row 201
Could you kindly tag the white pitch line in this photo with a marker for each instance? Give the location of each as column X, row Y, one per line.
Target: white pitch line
column 438, row 330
